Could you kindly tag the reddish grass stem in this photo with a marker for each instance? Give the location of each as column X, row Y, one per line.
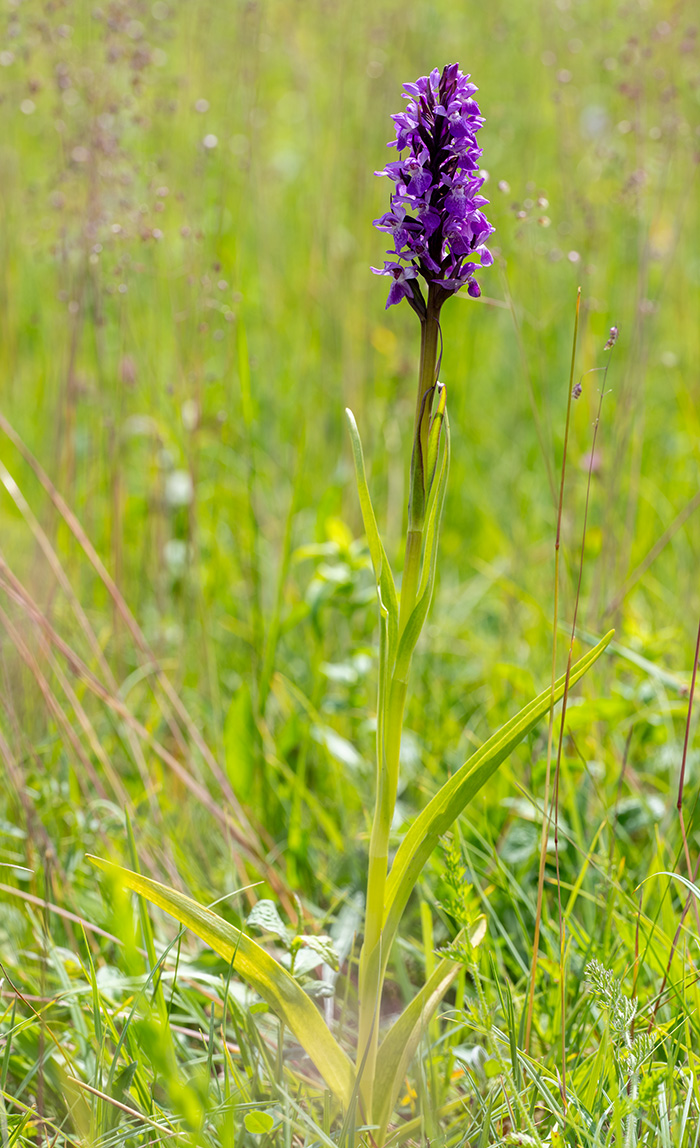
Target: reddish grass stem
column 681, row 780
column 562, row 724
column 84, row 542
column 545, row 808
column 692, row 871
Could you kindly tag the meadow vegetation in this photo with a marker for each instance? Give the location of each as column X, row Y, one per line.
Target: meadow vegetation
column 188, row 622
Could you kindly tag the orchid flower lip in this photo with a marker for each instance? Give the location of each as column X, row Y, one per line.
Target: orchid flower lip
column 436, row 212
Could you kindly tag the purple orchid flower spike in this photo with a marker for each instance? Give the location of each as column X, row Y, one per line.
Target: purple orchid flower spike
column 436, row 213
column 401, row 287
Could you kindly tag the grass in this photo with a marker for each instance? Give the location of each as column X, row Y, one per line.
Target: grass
column 181, row 327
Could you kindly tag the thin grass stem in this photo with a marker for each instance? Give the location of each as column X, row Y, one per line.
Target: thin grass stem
column 555, row 623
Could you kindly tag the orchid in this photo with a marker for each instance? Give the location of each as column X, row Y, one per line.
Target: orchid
column 436, row 212
column 439, row 232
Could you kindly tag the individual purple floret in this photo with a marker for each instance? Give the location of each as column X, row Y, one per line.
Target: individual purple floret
column 435, row 219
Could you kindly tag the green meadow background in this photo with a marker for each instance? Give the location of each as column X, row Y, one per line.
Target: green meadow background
column 186, row 308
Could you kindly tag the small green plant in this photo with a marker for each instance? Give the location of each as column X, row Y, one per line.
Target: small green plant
column 439, row 232
column 305, row 952
column 629, row 1050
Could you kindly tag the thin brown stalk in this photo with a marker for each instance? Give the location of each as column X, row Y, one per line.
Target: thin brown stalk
column 15, row 590
column 248, row 837
column 636, row 956
column 199, row 1035
column 55, row 710
column 692, row 872
column 122, row 797
column 54, row 563
column 35, row 827
column 226, row 820
column 674, row 943
column 87, row 727
column 560, row 745
column 64, row 582
column 31, row 1111
column 66, row 914
column 123, row 1107
column 118, row 707
column 681, row 780
column 63, row 1046
column 84, row 542
column 545, row 814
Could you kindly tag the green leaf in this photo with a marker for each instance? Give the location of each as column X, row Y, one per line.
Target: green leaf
column 321, row 945
column 119, row 1092
column 264, row 916
column 241, row 740
column 259, row 1122
column 397, row 1049
column 380, row 562
column 259, row 969
column 434, row 435
column 436, row 502
column 437, row 817
column 319, row 990
column 419, row 613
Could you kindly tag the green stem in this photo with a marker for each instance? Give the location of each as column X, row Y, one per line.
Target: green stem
column 427, row 377
column 391, row 706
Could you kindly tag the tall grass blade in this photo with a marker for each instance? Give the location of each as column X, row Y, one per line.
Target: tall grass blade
column 380, row 562
column 413, row 628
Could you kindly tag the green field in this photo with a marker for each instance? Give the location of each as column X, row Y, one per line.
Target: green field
column 188, row 619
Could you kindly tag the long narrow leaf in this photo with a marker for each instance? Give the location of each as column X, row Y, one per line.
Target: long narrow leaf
column 259, row 969
column 436, row 504
column 380, row 562
column 434, row 435
column 448, row 803
column 419, row 613
column 400, row 1043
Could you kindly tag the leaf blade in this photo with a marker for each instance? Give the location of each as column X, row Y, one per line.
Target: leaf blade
column 414, row 626
column 380, row 562
column 263, row 973
column 400, row 1043
column 451, row 799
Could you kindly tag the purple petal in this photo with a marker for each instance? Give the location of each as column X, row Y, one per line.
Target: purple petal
column 435, row 204
column 398, row 292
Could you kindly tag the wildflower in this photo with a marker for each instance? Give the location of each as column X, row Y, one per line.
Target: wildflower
column 436, row 216
column 612, row 339
column 401, row 288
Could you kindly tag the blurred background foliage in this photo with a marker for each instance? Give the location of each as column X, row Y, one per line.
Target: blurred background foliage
column 186, row 306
